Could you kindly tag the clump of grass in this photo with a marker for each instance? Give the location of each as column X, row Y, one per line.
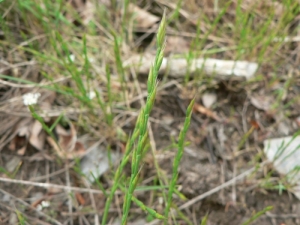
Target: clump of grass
column 143, row 119
column 140, row 134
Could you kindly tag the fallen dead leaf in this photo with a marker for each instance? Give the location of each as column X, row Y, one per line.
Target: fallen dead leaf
column 23, row 128
column 67, row 146
column 17, row 142
column 37, row 136
column 24, row 131
column 143, row 18
column 28, row 131
column 67, row 139
column 22, row 150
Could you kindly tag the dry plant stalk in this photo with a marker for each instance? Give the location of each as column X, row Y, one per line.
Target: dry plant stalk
column 178, row 67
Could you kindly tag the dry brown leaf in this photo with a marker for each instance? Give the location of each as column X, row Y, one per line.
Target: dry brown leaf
column 77, row 153
column 79, row 148
column 143, row 18
column 37, row 136
column 201, row 109
column 23, row 128
column 17, row 142
column 22, row 150
column 67, row 139
column 28, row 130
column 22, row 133
column 67, row 147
